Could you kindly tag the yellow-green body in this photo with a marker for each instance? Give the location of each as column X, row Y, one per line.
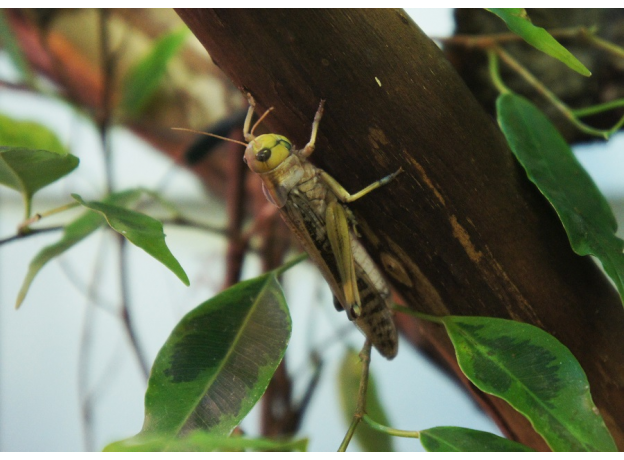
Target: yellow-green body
column 312, row 204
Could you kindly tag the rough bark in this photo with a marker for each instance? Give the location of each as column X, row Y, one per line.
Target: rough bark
column 462, row 231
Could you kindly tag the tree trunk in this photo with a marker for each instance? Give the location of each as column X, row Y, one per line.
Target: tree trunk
column 462, row 231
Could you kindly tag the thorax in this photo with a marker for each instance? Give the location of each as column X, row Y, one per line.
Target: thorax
column 297, row 180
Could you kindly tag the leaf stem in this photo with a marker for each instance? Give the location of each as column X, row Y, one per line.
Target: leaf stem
column 291, row 263
column 360, row 408
column 125, row 306
column 598, row 108
column 349, row 435
column 495, row 72
column 489, row 40
column 22, row 228
column 389, row 430
column 37, row 231
column 107, row 76
column 184, row 222
column 548, row 94
column 601, row 43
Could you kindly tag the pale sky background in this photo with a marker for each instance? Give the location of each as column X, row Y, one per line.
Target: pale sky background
column 40, row 344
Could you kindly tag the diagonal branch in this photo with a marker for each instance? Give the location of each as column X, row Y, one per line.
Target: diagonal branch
column 462, row 231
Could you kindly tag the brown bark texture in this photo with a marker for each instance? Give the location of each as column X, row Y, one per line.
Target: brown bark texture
column 462, row 231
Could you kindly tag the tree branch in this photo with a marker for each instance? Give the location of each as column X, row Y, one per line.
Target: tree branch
column 462, row 231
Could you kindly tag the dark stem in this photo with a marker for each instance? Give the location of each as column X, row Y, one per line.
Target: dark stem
column 31, row 232
column 84, row 356
column 235, row 196
column 360, row 408
column 125, row 309
column 107, row 78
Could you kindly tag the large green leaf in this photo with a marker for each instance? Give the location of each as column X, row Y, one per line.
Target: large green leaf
column 141, row 230
column 200, row 441
column 218, row 361
column 26, row 170
column 457, row 439
column 551, row 165
column 535, row 374
column 519, row 23
column 73, row 233
column 370, row 440
column 145, row 77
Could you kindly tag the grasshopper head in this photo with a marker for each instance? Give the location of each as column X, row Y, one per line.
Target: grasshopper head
column 267, row 152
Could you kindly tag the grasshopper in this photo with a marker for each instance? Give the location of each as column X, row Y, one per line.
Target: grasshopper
column 313, row 205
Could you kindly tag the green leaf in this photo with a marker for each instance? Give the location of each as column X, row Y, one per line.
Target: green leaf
column 141, row 230
column 73, row 233
column 457, row 439
column 200, row 441
column 218, row 361
column 145, row 77
column 551, row 165
column 519, row 23
column 369, row 439
column 28, row 134
column 27, row 171
column 535, row 374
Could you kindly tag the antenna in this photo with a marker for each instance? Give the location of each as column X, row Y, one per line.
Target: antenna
column 213, row 135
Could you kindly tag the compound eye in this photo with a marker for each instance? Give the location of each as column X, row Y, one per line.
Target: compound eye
column 263, row 155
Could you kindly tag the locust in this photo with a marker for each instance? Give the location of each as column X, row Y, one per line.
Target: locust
column 313, row 205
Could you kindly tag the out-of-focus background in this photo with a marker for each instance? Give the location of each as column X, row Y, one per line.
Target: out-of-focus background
column 69, row 380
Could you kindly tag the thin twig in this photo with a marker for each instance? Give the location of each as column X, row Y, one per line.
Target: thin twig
column 75, row 280
column 84, row 354
column 31, row 232
column 548, row 94
column 310, row 389
column 125, row 306
column 22, row 228
column 360, row 408
column 388, row 430
column 107, row 78
column 107, row 68
column 489, row 40
column 235, row 206
column 495, row 72
column 598, row 108
column 185, row 222
column 605, row 45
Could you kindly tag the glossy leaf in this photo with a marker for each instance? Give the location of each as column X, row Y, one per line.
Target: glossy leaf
column 369, row 439
column 457, row 439
column 551, row 165
column 27, row 171
column 73, row 233
column 141, row 230
column 535, row 374
column 218, row 361
column 200, row 441
column 519, row 23
column 145, row 77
